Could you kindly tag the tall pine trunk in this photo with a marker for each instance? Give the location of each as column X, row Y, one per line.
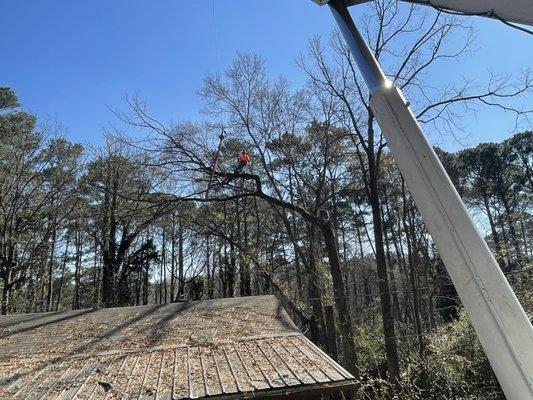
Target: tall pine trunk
column 181, row 266
column 389, row 331
column 77, row 270
column 63, row 269
column 341, row 299
column 50, row 289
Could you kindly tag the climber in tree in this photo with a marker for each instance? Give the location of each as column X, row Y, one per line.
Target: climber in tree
column 244, row 158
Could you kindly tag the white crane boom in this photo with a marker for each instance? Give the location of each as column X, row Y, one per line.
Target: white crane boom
column 498, row 318
column 516, row 11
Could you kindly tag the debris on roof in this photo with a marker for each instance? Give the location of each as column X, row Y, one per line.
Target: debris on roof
column 227, row 348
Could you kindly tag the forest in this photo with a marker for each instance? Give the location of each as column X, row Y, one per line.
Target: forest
column 320, row 217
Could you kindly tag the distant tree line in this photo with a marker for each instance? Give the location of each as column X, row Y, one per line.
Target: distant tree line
column 107, row 229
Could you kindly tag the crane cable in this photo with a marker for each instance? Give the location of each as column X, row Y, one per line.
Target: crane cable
column 215, row 161
column 215, row 33
column 223, row 132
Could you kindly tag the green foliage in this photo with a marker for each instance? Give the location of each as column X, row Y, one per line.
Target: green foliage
column 369, row 339
column 8, row 99
column 457, row 365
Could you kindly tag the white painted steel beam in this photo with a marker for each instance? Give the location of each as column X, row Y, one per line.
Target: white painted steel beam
column 498, row 318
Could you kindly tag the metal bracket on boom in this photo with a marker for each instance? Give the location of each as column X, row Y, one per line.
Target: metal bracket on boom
column 498, row 318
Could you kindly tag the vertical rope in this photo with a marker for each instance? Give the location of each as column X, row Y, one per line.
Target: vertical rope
column 215, row 33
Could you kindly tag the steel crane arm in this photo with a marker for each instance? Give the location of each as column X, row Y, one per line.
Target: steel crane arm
column 515, row 11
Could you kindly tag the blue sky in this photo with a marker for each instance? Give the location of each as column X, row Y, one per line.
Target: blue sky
column 71, row 61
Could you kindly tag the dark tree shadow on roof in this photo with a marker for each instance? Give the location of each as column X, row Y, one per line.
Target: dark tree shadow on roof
column 52, row 321
column 24, row 318
column 77, row 350
column 156, row 330
column 153, row 333
column 149, row 311
column 285, row 319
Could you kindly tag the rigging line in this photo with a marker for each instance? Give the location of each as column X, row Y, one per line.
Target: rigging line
column 215, row 41
column 490, row 14
column 215, row 161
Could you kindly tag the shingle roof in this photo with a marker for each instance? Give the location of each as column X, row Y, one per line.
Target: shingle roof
column 227, row 348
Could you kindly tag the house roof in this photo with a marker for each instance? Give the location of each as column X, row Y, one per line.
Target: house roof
column 227, row 348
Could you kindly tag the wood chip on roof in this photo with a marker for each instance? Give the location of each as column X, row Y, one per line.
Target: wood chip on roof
column 227, row 348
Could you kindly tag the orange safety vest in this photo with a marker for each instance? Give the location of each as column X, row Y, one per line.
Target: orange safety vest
column 244, row 158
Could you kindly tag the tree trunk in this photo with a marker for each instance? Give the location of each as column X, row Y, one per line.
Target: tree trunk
column 317, row 322
column 63, row 269
column 50, row 294
column 412, row 256
column 146, row 275
column 389, row 331
column 77, row 271
column 162, row 266
column 341, row 298
column 298, row 269
column 6, row 291
column 332, row 336
column 495, row 236
column 232, row 267
column 245, row 278
column 164, row 261
column 96, row 274
column 392, row 278
column 181, row 277
column 208, row 268
column 172, row 258
column 512, row 230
